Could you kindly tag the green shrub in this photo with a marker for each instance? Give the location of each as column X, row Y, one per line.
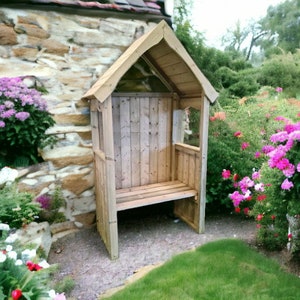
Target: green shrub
column 17, row 208
column 23, row 121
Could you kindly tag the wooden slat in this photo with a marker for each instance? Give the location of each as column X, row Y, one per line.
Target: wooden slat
column 152, row 194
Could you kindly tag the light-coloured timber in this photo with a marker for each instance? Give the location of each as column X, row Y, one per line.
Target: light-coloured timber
column 138, row 137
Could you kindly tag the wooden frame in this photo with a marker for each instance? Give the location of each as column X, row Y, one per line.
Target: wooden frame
column 140, row 158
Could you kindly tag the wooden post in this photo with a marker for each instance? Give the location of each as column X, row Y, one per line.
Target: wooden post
column 108, row 136
column 203, row 141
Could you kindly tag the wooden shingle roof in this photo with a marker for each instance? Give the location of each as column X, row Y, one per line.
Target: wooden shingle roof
column 161, row 49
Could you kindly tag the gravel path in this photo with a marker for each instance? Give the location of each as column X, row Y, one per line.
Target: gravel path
column 144, row 239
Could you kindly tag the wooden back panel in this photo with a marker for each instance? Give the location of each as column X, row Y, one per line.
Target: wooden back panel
column 142, row 138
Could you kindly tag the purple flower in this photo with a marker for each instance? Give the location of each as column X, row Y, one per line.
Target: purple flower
column 2, row 124
column 7, row 114
column 287, row 185
column 22, row 116
column 44, row 200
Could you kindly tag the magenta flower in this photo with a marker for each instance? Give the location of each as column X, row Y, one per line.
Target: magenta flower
column 245, row 145
column 280, row 137
column 226, row 174
column 2, row 124
column 236, row 198
column 279, row 89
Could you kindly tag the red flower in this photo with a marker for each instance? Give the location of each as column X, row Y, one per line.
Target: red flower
column 273, row 217
column 261, row 197
column 246, row 211
column 32, row 266
column 235, row 177
column 16, row 294
column 290, row 236
column 237, row 210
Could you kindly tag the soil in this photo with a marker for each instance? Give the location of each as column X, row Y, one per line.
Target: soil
column 147, row 237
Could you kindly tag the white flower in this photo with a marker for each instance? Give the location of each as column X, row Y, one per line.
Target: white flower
column 28, row 254
column 4, row 227
column 18, row 262
column 52, row 294
column 9, row 248
column 44, row 264
column 2, row 257
column 11, row 238
column 12, row 254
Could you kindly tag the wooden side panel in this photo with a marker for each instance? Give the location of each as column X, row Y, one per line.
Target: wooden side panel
column 101, row 121
column 187, row 167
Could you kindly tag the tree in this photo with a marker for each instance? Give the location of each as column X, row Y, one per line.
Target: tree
column 282, row 23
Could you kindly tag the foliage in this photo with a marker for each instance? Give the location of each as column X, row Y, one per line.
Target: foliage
column 23, row 121
column 17, row 208
column 277, row 190
column 50, row 206
column 281, row 70
column 282, row 23
column 21, row 278
column 224, row 269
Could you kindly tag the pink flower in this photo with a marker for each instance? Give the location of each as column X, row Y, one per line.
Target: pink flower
column 238, row 134
column 287, row 185
column 259, row 217
column 255, row 175
column 257, row 154
column 279, row 89
column 236, row 198
column 226, row 174
column 245, row 145
column 60, row 297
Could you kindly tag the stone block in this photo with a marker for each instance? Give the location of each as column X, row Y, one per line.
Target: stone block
column 7, row 35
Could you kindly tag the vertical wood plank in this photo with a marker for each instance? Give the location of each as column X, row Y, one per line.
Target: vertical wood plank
column 117, row 140
column 125, row 141
column 135, row 141
column 145, row 140
column 154, row 120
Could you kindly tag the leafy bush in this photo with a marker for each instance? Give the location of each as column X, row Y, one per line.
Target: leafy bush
column 23, row 121
column 281, row 70
column 17, row 208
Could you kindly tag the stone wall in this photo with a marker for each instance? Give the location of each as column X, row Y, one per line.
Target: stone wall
column 66, row 54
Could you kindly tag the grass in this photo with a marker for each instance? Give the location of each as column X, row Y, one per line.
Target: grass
column 225, row 269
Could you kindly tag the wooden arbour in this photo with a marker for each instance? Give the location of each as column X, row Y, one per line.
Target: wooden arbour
column 139, row 154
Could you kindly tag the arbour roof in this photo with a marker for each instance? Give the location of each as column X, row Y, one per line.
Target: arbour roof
column 161, row 49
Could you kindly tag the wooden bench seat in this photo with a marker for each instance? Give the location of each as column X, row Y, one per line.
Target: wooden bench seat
column 152, row 194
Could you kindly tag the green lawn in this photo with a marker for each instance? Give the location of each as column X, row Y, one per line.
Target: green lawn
column 226, row 269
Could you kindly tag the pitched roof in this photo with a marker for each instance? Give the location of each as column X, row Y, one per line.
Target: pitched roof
column 152, row 7
column 162, row 50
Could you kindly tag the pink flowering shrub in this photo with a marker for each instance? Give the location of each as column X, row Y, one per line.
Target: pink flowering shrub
column 23, row 121
column 275, row 187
